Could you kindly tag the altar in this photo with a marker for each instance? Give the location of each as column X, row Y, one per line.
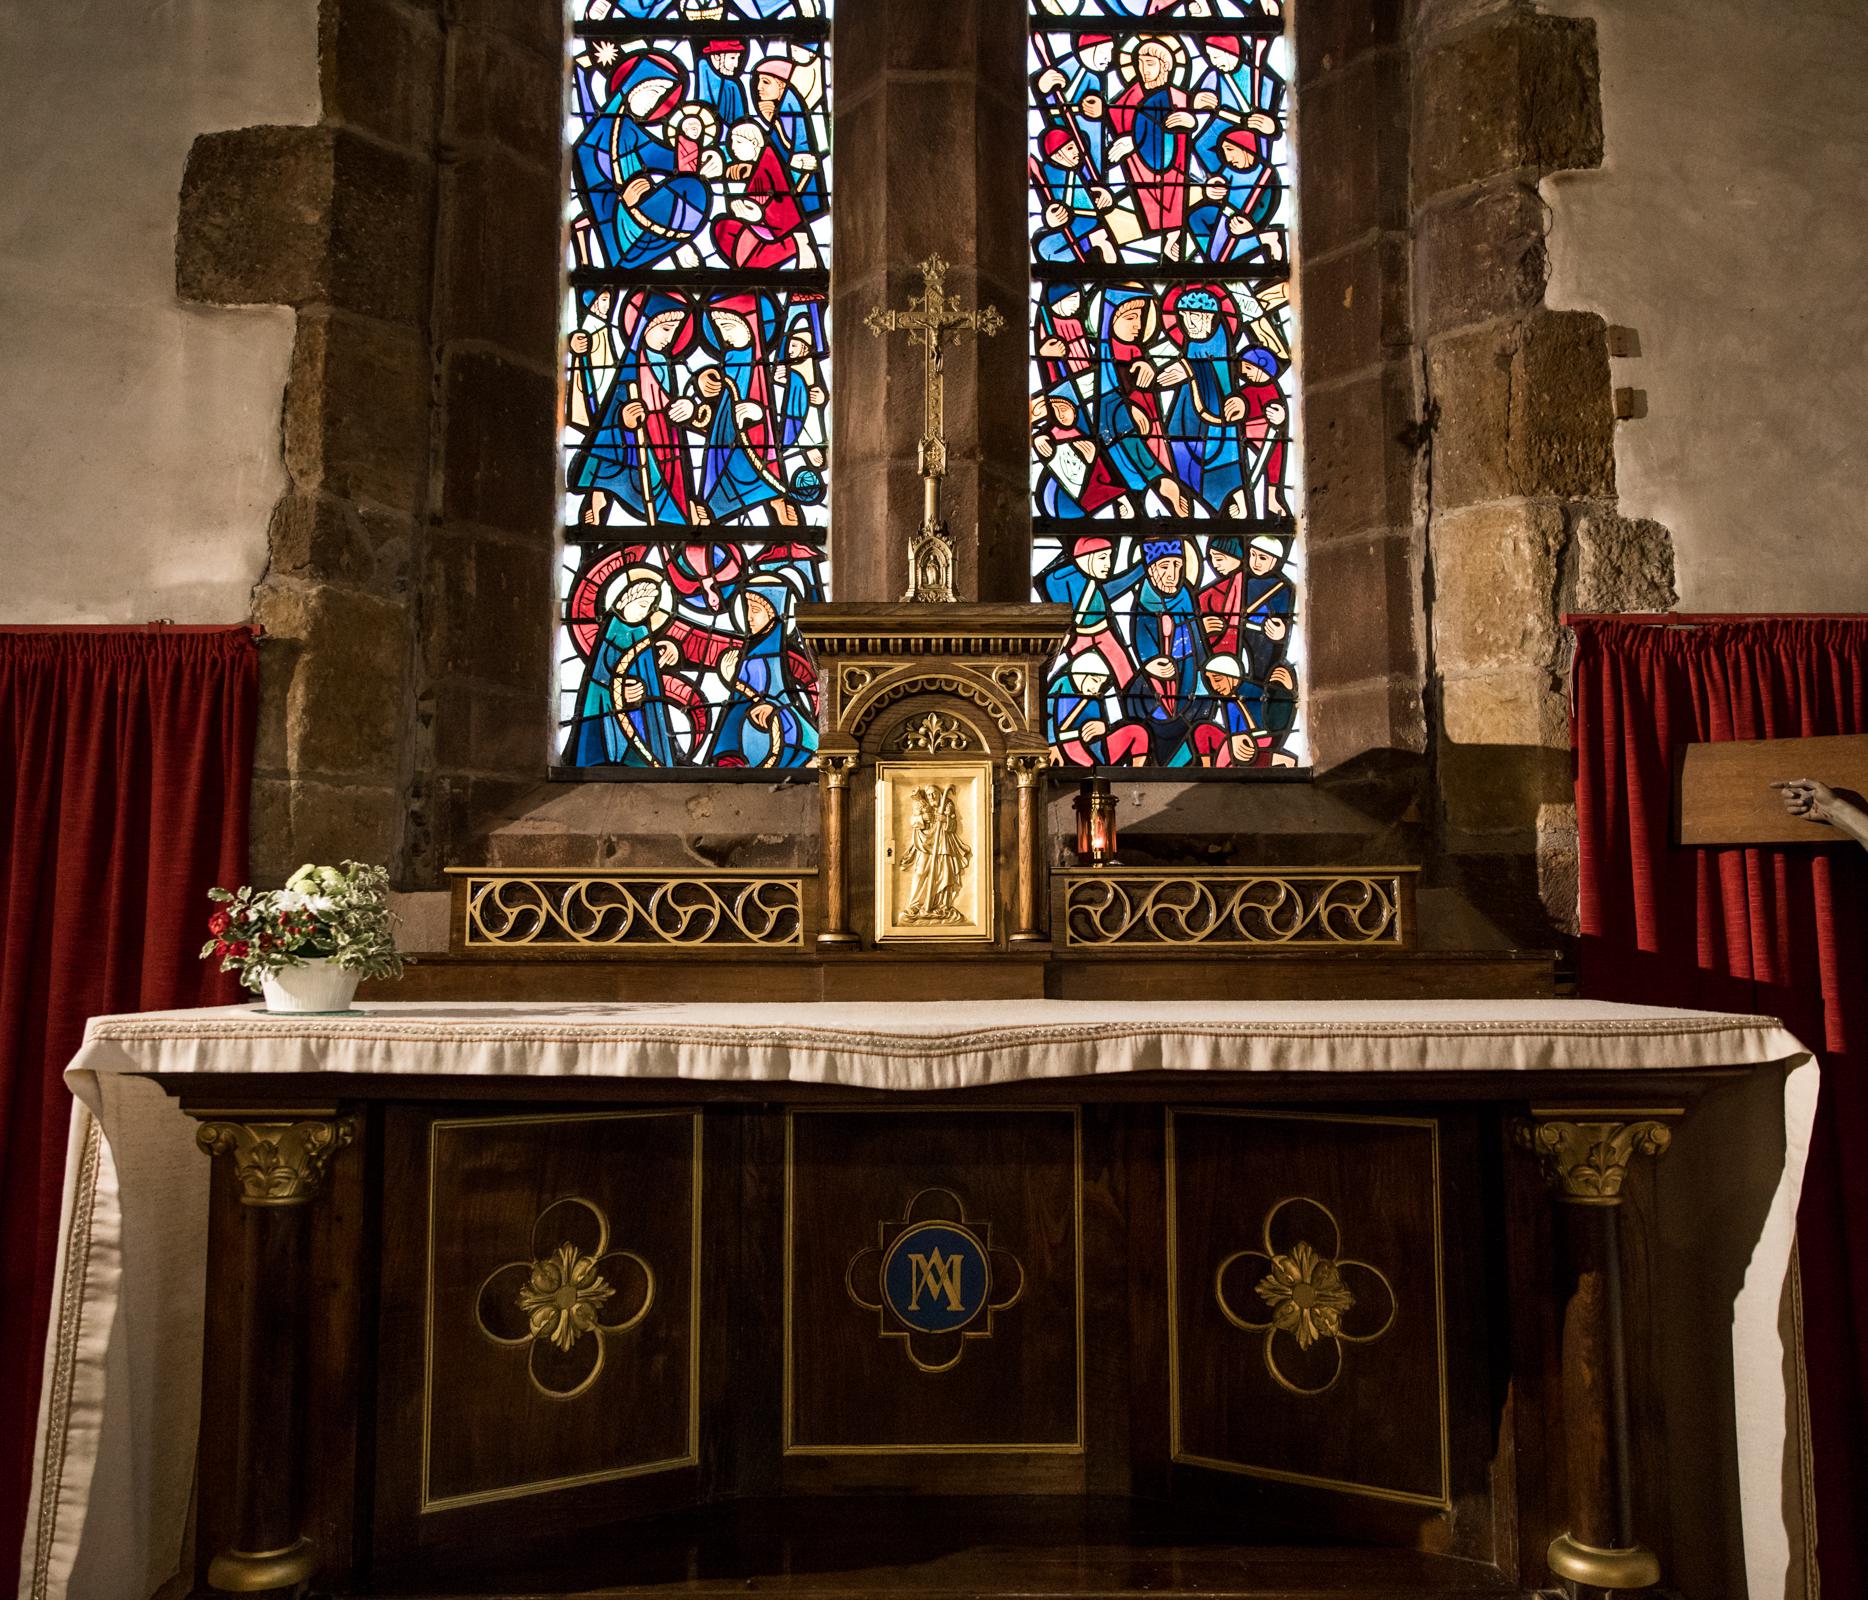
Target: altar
column 1017, row 1297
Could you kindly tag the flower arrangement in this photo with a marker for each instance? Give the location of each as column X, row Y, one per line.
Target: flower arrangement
column 338, row 914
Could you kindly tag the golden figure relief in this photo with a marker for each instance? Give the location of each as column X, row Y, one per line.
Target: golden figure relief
column 936, row 859
column 934, row 851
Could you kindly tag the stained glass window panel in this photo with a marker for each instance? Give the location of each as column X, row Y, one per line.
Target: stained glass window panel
column 1161, row 400
column 696, row 408
column 1181, row 652
column 700, row 152
column 687, row 656
column 600, row 11
column 1159, row 148
column 1162, row 10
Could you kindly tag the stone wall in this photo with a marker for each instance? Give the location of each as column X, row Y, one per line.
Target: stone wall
column 140, row 436
column 382, row 245
column 407, row 597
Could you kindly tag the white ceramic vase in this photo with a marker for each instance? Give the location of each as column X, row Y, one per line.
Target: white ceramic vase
column 316, row 985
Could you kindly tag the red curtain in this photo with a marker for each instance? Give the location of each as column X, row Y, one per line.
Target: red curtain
column 1781, row 930
column 126, row 757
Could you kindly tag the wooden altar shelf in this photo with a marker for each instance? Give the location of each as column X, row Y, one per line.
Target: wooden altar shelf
column 891, row 1548
column 1031, row 973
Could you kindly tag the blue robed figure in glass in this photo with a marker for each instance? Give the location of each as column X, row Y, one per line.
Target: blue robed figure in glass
column 768, row 723
column 641, row 204
column 623, row 715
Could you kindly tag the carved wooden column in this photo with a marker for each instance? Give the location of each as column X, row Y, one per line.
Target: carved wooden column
column 834, row 772
column 1586, row 1156
column 280, row 1160
column 1028, row 769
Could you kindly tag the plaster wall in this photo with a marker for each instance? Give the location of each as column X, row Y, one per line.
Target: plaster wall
column 1725, row 228
column 141, row 436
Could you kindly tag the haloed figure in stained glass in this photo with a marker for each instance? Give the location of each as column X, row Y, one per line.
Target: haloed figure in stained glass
column 768, row 723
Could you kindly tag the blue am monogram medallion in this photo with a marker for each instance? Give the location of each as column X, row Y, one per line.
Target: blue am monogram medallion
column 934, row 1280
column 936, row 1277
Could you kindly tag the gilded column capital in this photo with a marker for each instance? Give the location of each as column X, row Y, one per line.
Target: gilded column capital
column 836, row 769
column 1028, row 766
column 278, row 1163
column 1586, row 1161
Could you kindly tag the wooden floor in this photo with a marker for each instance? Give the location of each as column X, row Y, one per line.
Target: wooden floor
column 933, row 1549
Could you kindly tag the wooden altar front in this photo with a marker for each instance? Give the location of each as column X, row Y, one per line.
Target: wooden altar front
column 631, row 1329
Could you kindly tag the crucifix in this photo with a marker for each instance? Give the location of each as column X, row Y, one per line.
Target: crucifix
column 932, row 318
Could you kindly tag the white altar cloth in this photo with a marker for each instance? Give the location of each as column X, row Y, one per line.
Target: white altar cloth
column 119, row 1411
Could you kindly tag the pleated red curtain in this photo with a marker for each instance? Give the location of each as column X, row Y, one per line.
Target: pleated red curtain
column 126, row 758
column 1781, row 930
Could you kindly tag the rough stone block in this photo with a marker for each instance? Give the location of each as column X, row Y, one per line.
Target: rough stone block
column 380, row 69
column 1360, row 442
column 1619, row 563
column 1522, row 410
column 927, row 118
column 317, row 536
column 1333, row 33
column 1498, row 790
column 1381, row 714
column 512, row 611
column 293, row 216
column 382, row 230
column 514, row 735
column 270, row 855
column 1519, row 91
column 499, row 464
column 1480, row 255
column 1355, row 308
column 500, row 94
column 255, row 217
column 339, row 822
column 1495, row 577
column 1360, row 116
column 538, row 25
column 1513, row 706
column 346, row 709
column 357, row 410
column 1563, row 419
column 499, row 253
column 1364, row 624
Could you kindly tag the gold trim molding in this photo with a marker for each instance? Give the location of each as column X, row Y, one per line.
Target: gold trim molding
column 651, row 909
column 690, row 1457
column 264, row 1571
column 1637, row 1567
column 1587, row 1161
column 1177, row 1449
column 278, row 1163
column 790, row 1445
column 1167, row 908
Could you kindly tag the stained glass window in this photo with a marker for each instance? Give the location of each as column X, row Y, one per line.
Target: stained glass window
column 695, row 428
column 1163, row 469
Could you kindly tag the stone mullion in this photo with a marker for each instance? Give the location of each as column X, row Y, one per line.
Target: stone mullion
column 484, row 669
column 1360, row 403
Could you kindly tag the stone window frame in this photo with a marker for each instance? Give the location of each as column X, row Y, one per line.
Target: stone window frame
column 1457, row 431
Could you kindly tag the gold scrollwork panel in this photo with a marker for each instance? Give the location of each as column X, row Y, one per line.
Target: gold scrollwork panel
column 1225, row 908
column 1307, row 1301
column 561, row 1307
column 506, row 913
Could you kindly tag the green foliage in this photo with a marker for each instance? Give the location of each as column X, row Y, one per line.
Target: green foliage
column 336, row 913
